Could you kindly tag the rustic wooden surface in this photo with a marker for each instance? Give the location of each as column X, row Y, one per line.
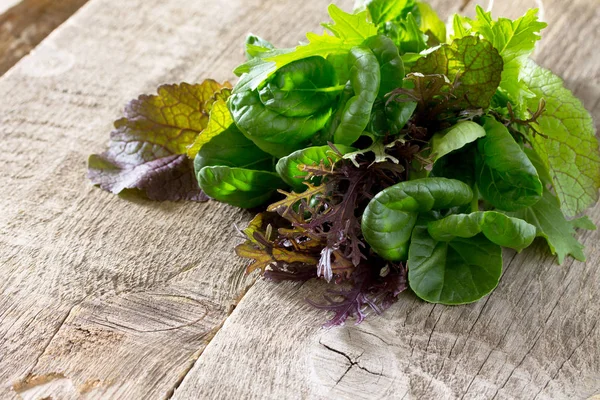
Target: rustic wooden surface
column 103, row 297
column 24, row 23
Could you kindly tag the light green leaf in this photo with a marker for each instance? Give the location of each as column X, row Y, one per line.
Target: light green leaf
column 349, row 30
column 219, row 120
column 456, row 272
column 570, row 151
column 231, row 148
column 239, row 187
column 474, row 62
column 497, row 227
column 390, row 216
column 287, row 167
column 389, row 10
column 505, row 176
column 431, row 24
column 515, row 41
column 455, row 138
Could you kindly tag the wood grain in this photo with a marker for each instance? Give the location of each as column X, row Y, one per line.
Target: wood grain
column 26, row 23
column 535, row 337
column 103, row 297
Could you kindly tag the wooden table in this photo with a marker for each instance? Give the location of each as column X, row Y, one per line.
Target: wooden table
column 104, row 297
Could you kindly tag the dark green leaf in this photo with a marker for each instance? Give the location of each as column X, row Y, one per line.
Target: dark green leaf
column 505, row 176
column 365, row 79
column 390, row 216
column 456, row 272
column 498, row 228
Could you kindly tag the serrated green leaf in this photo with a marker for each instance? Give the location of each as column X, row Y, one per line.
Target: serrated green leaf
column 552, row 225
column 455, row 138
column 389, row 10
column 515, row 41
column 570, row 150
column 349, row 30
column 431, row 24
column 505, row 176
column 456, row 272
column 497, row 227
column 390, row 216
column 473, row 62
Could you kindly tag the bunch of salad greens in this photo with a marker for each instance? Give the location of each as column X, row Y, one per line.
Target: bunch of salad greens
column 395, row 151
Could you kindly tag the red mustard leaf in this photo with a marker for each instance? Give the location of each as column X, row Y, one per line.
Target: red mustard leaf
column 147, row 149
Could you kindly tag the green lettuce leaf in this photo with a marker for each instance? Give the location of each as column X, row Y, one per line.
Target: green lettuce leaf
column 389, row 10
column 148, row 147
column 349, row 30
column 454, row 138
column 459, row 271
column 473, row 62
column 570, row 150
column 431, row 24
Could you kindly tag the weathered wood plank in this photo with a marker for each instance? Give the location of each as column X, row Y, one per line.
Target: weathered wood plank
column 24, row 23
column 103, row 297
column 536, row 337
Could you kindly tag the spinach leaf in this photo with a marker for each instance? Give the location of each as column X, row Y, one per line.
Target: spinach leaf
column 287, row 167
column 290, row 109
column 232, row 149
column 391, row 68
column 390, row 216
column 302, row 88
column 365, row 79
column 239, row 187
column 505, row 176
column 497, row 227
column 459, row 271
column 454, row 138
column 459, row 164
